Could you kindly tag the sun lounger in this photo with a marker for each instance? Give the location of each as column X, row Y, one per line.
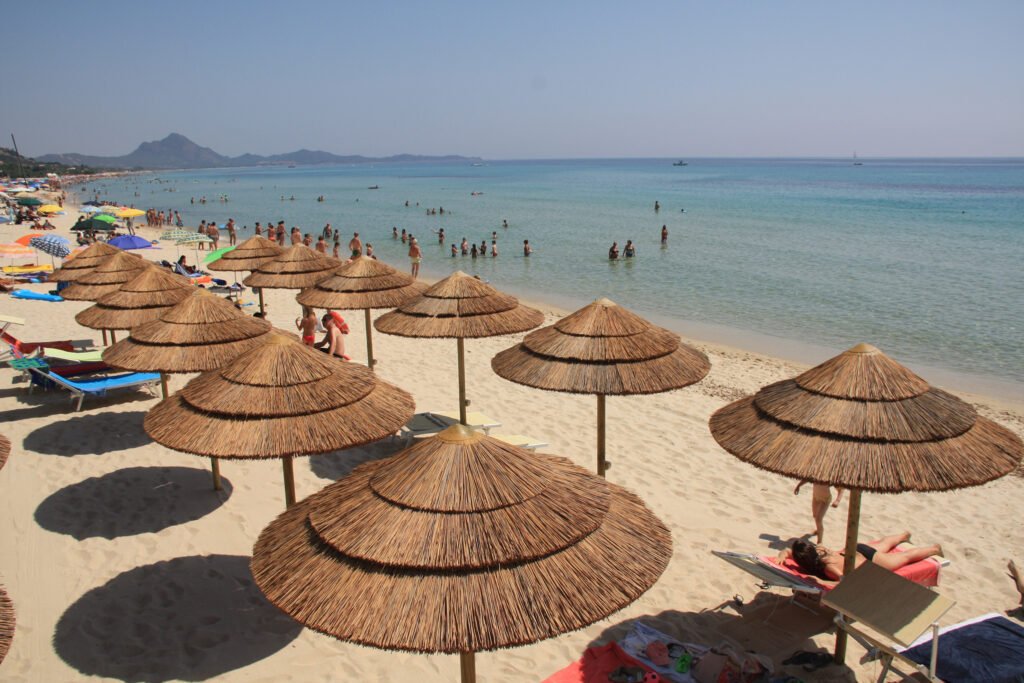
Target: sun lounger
column 72, row 356
column 25, row 271
column 426, row 424
column 982, row 649
column 99, row 386
column 16, row 345
column 526, row 442
column 894, row 611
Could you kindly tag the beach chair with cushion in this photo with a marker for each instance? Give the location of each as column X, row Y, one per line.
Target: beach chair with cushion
column 884, row 611
column 99, row 386
column 94, row 356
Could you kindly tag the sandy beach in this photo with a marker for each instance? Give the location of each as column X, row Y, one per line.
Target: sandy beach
column 124, row 564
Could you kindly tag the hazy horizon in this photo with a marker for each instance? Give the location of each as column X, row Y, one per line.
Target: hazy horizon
column 525, row 81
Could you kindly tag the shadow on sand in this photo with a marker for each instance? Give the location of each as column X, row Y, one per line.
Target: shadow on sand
column 131, row 501
column 89, row 434
column 190, row 618
column 771, row 625
column 336, row 465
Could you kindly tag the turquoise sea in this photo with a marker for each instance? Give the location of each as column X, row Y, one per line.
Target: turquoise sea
column 797, row 257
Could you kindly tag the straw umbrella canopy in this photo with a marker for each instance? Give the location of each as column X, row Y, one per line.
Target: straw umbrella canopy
column 296, row 267
column 863, row 422
column 106, row 278
column 460, row 306
column 278, row 400
column 6, row 623
column 139, row 301
column 201, row 333
column 602, row 349
column 363, row 283
column 248, row 256
column 461, row 543
column 5, row 450
column 83, row 263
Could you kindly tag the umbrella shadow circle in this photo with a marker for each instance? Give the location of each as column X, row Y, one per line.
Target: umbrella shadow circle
column 131, row 501
column 190, row 618
column 340, row 464
column 93, row 434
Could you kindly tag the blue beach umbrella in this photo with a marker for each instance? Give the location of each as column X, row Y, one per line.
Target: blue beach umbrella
column 54, row 245
column 128, row 242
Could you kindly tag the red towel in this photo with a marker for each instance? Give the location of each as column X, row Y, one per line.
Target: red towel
column 595, row 665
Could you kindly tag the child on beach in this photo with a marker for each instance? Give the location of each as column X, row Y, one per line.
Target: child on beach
column 821, row 496
column 333, row 343
column 415, row 256
column 307, row 324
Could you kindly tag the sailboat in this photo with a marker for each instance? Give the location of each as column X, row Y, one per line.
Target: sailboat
column 855, row 162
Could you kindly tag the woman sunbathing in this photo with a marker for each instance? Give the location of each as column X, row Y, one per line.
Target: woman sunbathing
column 819, row 561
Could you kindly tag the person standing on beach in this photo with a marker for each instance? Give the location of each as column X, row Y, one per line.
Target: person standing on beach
column 214, row 235
column 337, row 248
column 201, row 230
column 306, row 323
column 416, row 256
column 232, row 232
column 296, row 235
column 258, row 231
column 664, row 235
column 355, row 245
column 821, row 496
column 280, row 233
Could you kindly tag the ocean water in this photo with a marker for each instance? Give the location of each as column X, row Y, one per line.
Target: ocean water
column 922, row 258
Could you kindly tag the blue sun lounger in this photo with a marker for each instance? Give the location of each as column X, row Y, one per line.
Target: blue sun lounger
column 99, row 386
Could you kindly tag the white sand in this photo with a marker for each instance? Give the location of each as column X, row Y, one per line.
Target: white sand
column 124, row 564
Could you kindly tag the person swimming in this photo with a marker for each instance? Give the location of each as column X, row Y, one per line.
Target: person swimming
column 629, row 251
column 613, row 252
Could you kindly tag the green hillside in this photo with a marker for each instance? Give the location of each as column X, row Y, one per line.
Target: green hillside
column 13, row 165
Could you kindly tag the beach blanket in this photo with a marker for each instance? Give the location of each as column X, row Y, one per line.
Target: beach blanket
column 35, row 296
column 989, row 650
column 595, row 665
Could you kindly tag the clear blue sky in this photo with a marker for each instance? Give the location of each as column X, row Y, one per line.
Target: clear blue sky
column 519, row 79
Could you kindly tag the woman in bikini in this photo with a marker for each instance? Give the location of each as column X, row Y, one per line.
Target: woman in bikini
column 827, row 564
column 307, row 324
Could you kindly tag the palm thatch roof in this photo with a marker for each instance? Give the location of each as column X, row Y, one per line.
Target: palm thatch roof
column 201, row 333
column 459, row 306
column 602, row 349
column 83, row 263
column 297, row 267
column 362, row 283
column 5, row 450
column 460, row 543
column 138, row 301
column 106, row 278
column 280, row 398
column 863, row 421
column 249, row 255
column 6, row 623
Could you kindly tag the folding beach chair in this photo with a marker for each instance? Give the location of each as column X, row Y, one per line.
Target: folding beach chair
column 94, row 356
column 896, row 612
column 520, row 440
column 99, row 386
column 474, row 420
column 19, row 347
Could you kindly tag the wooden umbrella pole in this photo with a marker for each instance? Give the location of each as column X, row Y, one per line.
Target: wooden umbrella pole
column 369, row 339
column 289, row 481
column 163, row 383
column 112, row 337
column 262, row 312
column 462, row 380
column 600, row 435
column 467, row 665
column 104, row 337
column 849, row 562
column 215, row 469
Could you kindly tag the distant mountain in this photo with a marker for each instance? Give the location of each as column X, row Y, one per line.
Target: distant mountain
column 177, row 151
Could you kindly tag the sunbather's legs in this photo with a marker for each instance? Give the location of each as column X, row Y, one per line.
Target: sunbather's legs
column 893, row 561
column 887, row 543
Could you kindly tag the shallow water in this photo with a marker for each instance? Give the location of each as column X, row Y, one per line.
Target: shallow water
column 919, row 257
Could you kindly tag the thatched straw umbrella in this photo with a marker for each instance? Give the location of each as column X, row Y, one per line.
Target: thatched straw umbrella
column 460, row 306
column 201, row 333
column 279, row 400
column 6, row 623
column 108, row 277
column 139, row 301
column 297, row 267
column 5, row 450
column 602, row 349
column 248, row 256
column 363, row 283
column 84, row 263
column 864, row 422
column 461, row 543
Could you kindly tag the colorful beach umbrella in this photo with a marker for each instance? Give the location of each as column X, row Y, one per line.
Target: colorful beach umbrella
column 105, row 218
column 54, row 245
column 29, row 201
column 175, row 235
column 95, row 223
column 90, row 209
column 128, row 242
column 25, row 239
column 214, row 255
column 50, row 208
column 14, row 250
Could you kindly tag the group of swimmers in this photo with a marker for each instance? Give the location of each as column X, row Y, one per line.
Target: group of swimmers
column 628, row 251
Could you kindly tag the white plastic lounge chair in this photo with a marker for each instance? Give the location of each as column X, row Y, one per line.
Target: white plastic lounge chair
column 426, row 424
column 474, row 420
column 99, row 386
column 520, row 440
column 896, row 611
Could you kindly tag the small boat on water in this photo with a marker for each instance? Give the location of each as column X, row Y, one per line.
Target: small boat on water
column 373, row 187
column 855, row 162
column 680, row 163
